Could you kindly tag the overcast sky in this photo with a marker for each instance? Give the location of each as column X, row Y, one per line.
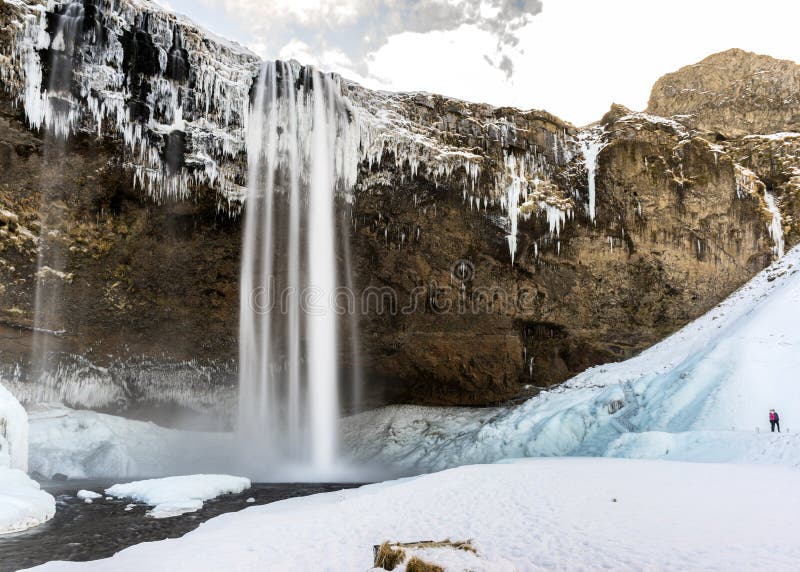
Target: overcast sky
column 572, row 58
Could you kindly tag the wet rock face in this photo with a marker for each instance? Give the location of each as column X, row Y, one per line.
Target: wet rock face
column 775, row 159
column 146, row 287
column 150, row 284
column 733, row 93
column 672, row 237
column 159, row 283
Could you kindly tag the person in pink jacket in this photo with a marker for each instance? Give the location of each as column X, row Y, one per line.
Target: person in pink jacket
column 774, row 420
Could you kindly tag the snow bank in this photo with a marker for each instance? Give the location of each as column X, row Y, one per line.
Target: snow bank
column 22, row 503
column 13, row 432
column 721, row 373
column 173, row 496
column 86, row 444
column 543, row 514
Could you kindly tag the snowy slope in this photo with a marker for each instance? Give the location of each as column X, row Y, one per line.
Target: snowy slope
column 541, row 514
column 709, row 387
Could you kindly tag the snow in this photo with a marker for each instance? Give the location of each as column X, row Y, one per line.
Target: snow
column 88, row 495
column 715, row 379
column 541, row 514
column 89, row 445
column 13, row 432
column 173, row 496
column 22, row 504
column 775, row 136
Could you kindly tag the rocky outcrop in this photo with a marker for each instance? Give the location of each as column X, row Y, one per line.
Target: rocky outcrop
column 671, row 238
column 491, row 254
column 732, row 93
column 775, row 160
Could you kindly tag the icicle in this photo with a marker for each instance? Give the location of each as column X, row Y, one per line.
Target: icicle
column 591, row 145
column 776, row 225
column 515, row 174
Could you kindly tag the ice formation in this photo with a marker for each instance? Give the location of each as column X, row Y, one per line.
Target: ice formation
column 180, row 100
column 13, row 432
column 701, row 395
column 145, row 75
column 776, row 224
column 591, row 143
column 22, row 503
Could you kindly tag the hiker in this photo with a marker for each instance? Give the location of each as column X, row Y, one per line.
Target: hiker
column 774, row 420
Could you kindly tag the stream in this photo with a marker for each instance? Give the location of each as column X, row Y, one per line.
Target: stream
column 80, row 531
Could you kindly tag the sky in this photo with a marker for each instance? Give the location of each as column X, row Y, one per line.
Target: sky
column 573, row 58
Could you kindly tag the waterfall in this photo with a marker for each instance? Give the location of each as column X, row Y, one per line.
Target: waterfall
column 302, row 146
column 59, row 112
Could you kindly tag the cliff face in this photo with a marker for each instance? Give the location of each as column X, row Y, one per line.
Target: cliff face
column 734, row 93
column 625, row 232
column 750, row 105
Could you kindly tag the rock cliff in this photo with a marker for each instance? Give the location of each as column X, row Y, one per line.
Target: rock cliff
column 507, row 249
column 733, row 93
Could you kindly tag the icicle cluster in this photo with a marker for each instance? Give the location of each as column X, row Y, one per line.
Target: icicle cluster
column 775, row 226
column 747, row 182
column 177, row 99
column 524, row 192
column 591, row 143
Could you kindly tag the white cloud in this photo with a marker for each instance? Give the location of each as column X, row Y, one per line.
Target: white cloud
column 450, row 62
column 356, row 28
column 573, row 59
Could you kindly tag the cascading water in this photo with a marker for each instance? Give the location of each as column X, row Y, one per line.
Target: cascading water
column 59, row 114
column 302, row 149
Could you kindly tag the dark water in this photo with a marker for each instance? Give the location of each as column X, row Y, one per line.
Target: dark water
column 81, row 531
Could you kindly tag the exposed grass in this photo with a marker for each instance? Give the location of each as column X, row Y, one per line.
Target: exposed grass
column 465, row 545
column 390, row 555
column 389, row 558
column 417, row 565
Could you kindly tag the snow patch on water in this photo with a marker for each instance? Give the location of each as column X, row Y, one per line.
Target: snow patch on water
column 173, row 496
